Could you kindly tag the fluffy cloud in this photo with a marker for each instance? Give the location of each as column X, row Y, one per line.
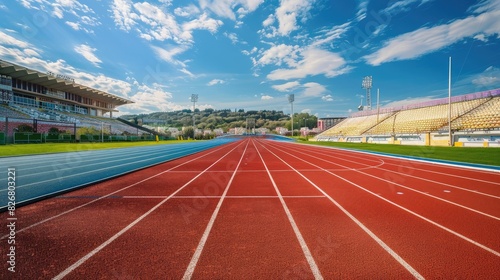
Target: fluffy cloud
column 84, row 17
column 88, row 53
column 429, row 39
column 266, row 97
column 286, row 86
column 224, row 8
column 160, row 25
column 314, row 61
column 279, row 54
column 313, row 89
column 215, row 82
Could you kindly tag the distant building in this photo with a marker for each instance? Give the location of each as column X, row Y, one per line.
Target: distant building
column 327, row 123
column 55, row 92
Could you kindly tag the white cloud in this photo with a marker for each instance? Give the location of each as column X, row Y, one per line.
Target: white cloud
column 429, row 39
column 203, row 22
column 168, row 54
column 266, row 97
column 489, row 78
column 82, row 14
column 279, row 54
column 88, row 53
column 269, row 20
column 402, row 6
column 313, row 89
column 327, row 98
column 187, row 11
column 362, row 9
column 288, row 12
column 232, row 36
column 6, row 39
column 314, row 62
column 328, row 35
column 224, row 8
column 215, row 82
column 123, row 16
column 286, row 86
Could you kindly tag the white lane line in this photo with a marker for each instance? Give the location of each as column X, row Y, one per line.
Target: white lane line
column 349, row 153
column 361, row 225
column 408, row 175
column 305, row 249
column 110, row 194
column 125, row 229
column 405, row 209
column 59, row 178
column 196, row 256
column 408, row 188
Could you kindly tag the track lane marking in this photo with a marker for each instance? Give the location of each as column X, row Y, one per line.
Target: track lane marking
column 408, row 175
column 381, row 243
column 129, row 226
column 303, row 245
column 409, row 188
column 86, row 172
column 196, row 256
column 349, row 153
column 405, row 209
column 112, row 193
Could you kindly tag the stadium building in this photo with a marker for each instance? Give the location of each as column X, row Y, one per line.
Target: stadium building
column 26, row 87
column 47, row 107
column 473, row 120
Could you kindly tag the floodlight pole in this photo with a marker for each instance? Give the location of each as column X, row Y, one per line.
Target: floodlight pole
column 378, row 104
column 449, row 104
column 367, row 84
column 194, row 99
column 291, row 98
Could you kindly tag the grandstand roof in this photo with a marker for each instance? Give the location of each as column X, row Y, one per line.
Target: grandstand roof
column 58, row 83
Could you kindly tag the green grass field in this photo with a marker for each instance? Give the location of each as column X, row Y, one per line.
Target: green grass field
column 489, row 156
column 48, row 148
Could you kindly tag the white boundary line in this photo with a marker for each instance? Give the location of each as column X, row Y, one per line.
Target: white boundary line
column 411, row 189
column 196, row 256
column 350, row 155
column 427, row 161
column 305, row 249
column 405, row 209
column 108, row 195
column 361, row 225
column 125, row 229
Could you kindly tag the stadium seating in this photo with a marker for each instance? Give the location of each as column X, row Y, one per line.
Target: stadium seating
column 486, row 116
column 355, row 126
column 466, row 114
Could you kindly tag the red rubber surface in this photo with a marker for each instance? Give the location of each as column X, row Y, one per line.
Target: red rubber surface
column 359, row 216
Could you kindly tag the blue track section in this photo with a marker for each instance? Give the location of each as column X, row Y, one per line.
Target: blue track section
column 40, row 176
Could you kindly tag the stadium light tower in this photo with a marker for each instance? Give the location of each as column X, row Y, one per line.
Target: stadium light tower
column 449, row 104
column 291, row 98
column 367, row 84
column 194, row 99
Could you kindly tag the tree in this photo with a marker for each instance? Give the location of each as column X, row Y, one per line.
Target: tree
column 188, row 132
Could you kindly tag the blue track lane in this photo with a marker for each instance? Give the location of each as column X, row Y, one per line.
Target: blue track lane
column 40, row 176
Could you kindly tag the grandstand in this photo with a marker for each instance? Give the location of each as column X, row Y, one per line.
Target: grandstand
column 45, row 100
column 475, row 118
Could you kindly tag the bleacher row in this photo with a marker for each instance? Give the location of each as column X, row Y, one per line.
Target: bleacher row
column 111, row 125
column 477, row 114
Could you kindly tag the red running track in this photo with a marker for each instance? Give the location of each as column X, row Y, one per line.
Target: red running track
column 259, row 209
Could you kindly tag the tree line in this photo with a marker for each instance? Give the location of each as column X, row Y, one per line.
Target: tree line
column 224, row 119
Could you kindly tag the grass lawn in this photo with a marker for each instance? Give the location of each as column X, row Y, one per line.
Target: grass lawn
column 489, row 156
column 47, row 148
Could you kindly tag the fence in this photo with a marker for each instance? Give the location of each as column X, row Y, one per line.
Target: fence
column 22, row 130
column 19, row 130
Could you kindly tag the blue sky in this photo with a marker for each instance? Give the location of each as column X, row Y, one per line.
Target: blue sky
column 250, row 54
